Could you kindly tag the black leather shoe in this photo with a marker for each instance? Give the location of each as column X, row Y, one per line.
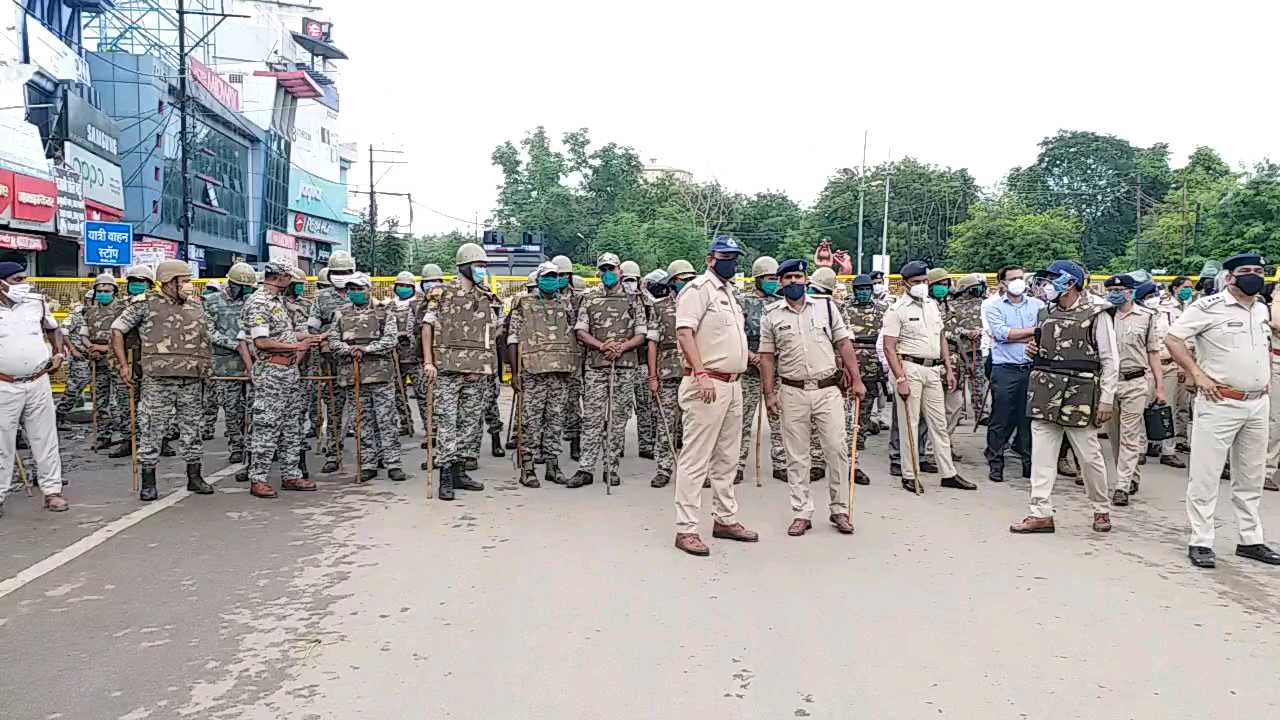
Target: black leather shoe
column 495, row 445
column 659, row 481
column 580, row 478
column 737, row 479
column 780, row 475
column 446, row 483
column 235, row 458
column 928, row 466
column 895, row 469
column 195, row 483
column 368, row 474
column 817, row 473
column 1142, row 460
column 511, row 444
column 861, row 478
column 1202, row 557
column 1119, row 498
column 397, row 475
column 614, row 480
column 1260, row 552
column 1271, row 484
column 1153, row 450
column 1172, row 461
column 148, row 491
column 166, row 449
column 575, row 449
column 646, row 454
column 470, row 464
column 955, row 482
column 910, row 486
column 1026, row 471
column 463, row 481
column 330, row 466
column 995, row 473
column 1133, row 487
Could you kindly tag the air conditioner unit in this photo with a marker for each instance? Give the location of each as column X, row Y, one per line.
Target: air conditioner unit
column 235, row 78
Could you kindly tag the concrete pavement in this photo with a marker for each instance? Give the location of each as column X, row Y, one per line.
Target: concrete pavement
column 372, row 602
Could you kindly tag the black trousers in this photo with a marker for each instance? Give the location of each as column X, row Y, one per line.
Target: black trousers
column 1009, row 421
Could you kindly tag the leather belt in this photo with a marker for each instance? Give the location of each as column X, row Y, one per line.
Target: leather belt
column 722, row 377
column 1234, row 394
column 281, row 359
column 1132, row 374
column 24, row 378
column 811, row 384
column 1275, row 352
column 924, row 362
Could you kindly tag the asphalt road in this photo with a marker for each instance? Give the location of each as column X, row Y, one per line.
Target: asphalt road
column 373, row 602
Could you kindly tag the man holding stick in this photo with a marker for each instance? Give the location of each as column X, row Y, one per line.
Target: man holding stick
column 799, row 338
column 222, row 310
column 88, row 330
column 665, row 366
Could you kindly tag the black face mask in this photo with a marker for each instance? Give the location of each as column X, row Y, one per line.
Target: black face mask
column 726, row 269
column 660, row 290
column 1250, row 284
column 978, row 291
column 794, row 291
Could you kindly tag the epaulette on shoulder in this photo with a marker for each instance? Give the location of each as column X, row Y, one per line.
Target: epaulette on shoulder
column 1209, row 301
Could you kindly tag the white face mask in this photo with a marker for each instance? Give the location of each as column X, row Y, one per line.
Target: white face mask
column 1050, row 292
column 878, row 288
column 19, row 292
column 918, row 291
column 1016, row 286
column 1151, row 302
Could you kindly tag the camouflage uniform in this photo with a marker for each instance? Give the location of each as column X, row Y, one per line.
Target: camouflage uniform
column 462, row 340
column 864, row 321
column 276, row 431
column 608, row 314
column 573, row 400
column 212, row 404
column 175, row 358
column 963, row 326
column 337, row 422
column 752, row 310
column 78, row 377
column 223, row 317
column 307, row 405
column 409, row 355
column 670, row 367
column 542, row 328
column 372, row 327
column 91, row 324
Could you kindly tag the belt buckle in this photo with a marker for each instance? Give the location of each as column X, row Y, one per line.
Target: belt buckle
column 810, row 384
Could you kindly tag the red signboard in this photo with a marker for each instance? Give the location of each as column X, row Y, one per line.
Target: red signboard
column 10, row 240
column 279, row 239
column 34, row 199
column 6, row 193
column 225, row 92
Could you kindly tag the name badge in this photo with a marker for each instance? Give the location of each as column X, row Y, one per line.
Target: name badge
column 1235, row 324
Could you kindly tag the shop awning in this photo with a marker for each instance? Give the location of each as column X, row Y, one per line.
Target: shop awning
column 296, row 82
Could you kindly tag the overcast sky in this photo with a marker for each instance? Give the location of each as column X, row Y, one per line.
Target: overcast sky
column 776, row 95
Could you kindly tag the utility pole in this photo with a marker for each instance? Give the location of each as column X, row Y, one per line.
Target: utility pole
column 185, row 223
column 1195, row 243
column 884, row 230
column 1137, row 222
column 373, row 215
column 862, row 196
column 1184, row 217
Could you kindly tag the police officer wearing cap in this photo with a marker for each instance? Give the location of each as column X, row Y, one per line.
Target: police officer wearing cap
column 800, row 335
column 764, row 290
column 1138, row 347
column 915, row 349
column 1072, row 393
column 1231, row 372
column 709, row 330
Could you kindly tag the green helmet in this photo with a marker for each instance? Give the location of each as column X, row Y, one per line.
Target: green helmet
column 342, row 261
column 764, row 265
column 469, row 253
column 629, row 269
column 242, row 274
column 431, row 271
column 679, row 267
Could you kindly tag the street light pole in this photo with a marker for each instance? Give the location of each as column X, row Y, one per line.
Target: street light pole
column 862, row 196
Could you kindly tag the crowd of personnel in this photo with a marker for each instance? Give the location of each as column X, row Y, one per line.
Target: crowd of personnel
column 1038, row 359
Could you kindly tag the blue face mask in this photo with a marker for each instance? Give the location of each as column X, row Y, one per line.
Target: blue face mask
column 794, row 291
column 1061, row 282
column 609, row 278
column 549, row 284
column 862, row 296
column 679, row 284
column 478, row 275
column 1117, row 297
column 298, row 288
column 769, row 287
column 136, row 287
column 404, row 293
column 358, row 297
column 104, row 298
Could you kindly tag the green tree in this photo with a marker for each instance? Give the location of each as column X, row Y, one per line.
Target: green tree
column 387, row 254
column 623, row 235
column 762, row 220
column 438, row 249
column 1249, row 215
column 673, row 234
column 1002, row 233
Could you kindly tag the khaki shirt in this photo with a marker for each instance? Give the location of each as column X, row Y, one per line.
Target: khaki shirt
column 1137, row 333
column 1233, row 342
column 707, row 306
column 803, row 342
column 917, row 324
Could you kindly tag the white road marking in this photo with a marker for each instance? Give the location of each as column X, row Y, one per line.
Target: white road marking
column 89, row 542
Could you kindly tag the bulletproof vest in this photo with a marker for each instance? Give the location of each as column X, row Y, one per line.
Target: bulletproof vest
column 965, row 315
column 612, row 317
column 463, row 338
column 133, row 338
column 549, row 344
column 670, row 361
column 226, row 318
column 363, row 326
column 752, row 311
column 299, row 311
column 408, row 341
column 98, row 319
column 1065, row 372
column 326, row 302
column 864, row 323
column 175, row 339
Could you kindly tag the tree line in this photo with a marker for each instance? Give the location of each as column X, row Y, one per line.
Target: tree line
column 1089, row 196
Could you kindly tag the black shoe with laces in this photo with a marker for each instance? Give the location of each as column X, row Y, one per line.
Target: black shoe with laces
column 579, row 479
column 1260, row 552
column 1202, row 557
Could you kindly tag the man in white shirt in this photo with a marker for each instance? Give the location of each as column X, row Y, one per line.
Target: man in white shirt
column 25, row 395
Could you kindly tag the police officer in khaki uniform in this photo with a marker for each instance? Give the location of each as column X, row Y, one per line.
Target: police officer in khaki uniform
column 1231, row 371
column 800, row 336
column 709, row 329
column 1072, row 390
column 916, row 352
column 1138, row 347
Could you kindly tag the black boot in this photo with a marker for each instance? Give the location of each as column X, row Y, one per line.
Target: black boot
column 148, row 491
column 529, row 477
column 243, row 475
column 302, row 465
column 463, row 481
column 511, row 444
column 330, row 466
column 646, row 453
column 575, row 449
column 395, row 474
column 552, row 473
column 368, row 474
column 235, row 458
column 124, row 449
column 166, row 449
column 446, row 483
column 495, row 444
column 580, row 478
column 195, row 483
column 470, row 464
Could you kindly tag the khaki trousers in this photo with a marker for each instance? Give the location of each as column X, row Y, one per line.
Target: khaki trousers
column 1238, row 428
column 712, row 437
column 1046, row 440
column 1180, row 397
column 1273, row 431
column 1126, row 433
column 927, row 396
column 825, row 408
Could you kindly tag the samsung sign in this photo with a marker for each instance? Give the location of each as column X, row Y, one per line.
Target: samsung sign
column 86, row 126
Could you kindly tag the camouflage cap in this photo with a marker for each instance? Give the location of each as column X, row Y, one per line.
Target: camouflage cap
column 607, row 259
column 276, row 268
column 936, row 275
column 170, row 269
column 298, row 275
